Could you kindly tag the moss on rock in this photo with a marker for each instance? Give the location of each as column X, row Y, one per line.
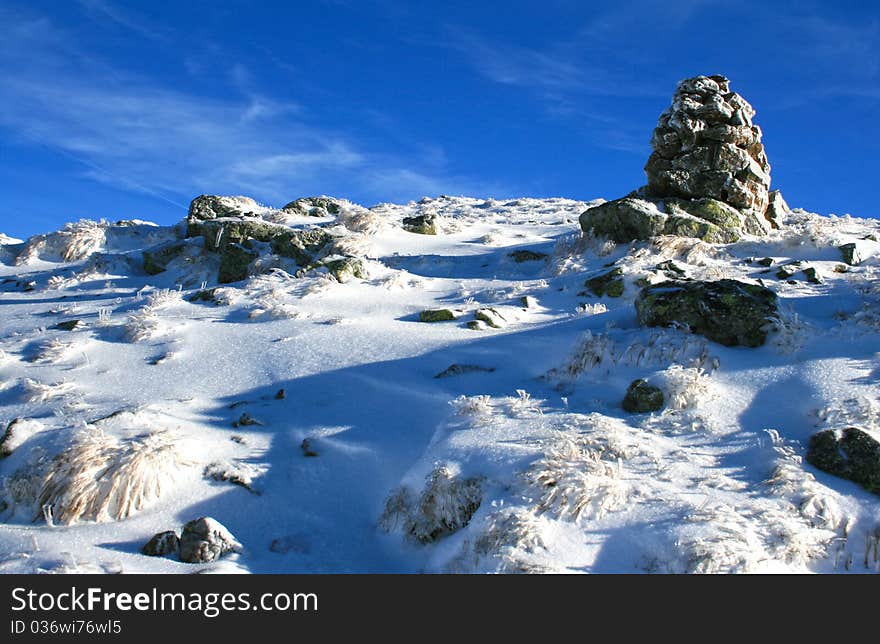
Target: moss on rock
column 642, row 398
column 610, row 284
column 726, row 311
column 855, row 456
column 436, row 315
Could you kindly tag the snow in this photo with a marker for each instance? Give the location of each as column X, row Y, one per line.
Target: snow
column 155, row 410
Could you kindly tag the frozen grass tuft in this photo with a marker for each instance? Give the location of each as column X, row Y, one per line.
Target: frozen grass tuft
column 101, row 478
column 510, row 542
column 579, row 478
column 74, row 242
column 143, row 325
column 480, row 405
column 685, row 387
column 446, row 504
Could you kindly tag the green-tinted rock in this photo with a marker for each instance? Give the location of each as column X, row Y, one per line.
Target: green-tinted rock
column 726, row 219
column 787, row 271
column 610, row 284
column 671, row 268
column 642, row 398
column 812, row 275
column 156, row 259
column 421, row 224
column 207, row 207
column 767, row 261
column 520, row 256
column 689, row 226
column 490, row 317
column 346, row 268
column 219, row 233
column 436, row 315
column 726, row 311
column 205, row 295
column 314, row 206
column 624, row 220
column 300, row 245
column 854, row 456
column 234, row 262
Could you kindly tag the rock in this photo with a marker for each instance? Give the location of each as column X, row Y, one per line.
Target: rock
column 477, row 325
column 290, row 543
column 777, row 209
column 460, row 369
column 436, row 315
column 528, row 302
column 812, row 275
column 235, row 261
column 729, row 221
column 705, row 146
column 852, row 455
column 161, row 544
column 610, row 284
column 491, row 317
column 522, row 255
column 726, row 311
column 766, row 262
column 642, row 398
column 302, row 246
column 421, row 224
column 220, row 233
column 207, row 207
column 314, row 207
column 307, row 449
column 68, row 325
column 206, row 539
column 670, row 268
column 280, row 394
column 156, row 259
column 624, row 220
column 787, row 271
column 204, row 295
column 17, row 432
column 852, row 254
column 345, row 269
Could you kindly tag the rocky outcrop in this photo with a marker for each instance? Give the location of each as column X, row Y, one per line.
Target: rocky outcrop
column 610, row 283
column 314, row 207
column 726, row 311
column 853, row 454
column 421, row 224
column 207, row 207
column 708, row 174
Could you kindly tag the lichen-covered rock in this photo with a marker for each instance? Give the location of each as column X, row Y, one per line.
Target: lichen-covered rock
column 642, row 398
column 727, row 220
column 162, row 544
column 610, row 283
column 68, row 325
column 345, row 269
column 302, row 246
column 219, row 233
column 156, row 259
column 436, row 315
column 421, row 224
column 206, row 539
column 235, row 260
column 726, row 311
column 206, row 207
column 706, row 146
column 491, row 317
column 852, row 454
column 624, row 220
column 314, row 206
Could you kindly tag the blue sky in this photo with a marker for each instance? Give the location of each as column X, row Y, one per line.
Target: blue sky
column 129, row 109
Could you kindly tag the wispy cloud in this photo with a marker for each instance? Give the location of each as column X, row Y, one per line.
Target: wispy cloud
column 125, row 18
column 170, row 144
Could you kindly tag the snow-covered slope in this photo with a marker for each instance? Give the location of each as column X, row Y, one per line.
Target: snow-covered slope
column 321, row 423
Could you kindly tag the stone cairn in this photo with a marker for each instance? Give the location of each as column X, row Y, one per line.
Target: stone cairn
column 708, row 174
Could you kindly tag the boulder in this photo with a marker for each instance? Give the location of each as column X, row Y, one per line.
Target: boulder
column 642, row 398
column 206, row 207
column 421, row 224
column 302, row 246
column 490, row 317
column 726, row 311
column 161, row 544
column 235, row 261
column 345, row 269
column 524, row 255
column 436, row 315
column 314, row 207
column 852, row 454
column 205, row 540
column 624, row 220
column 852, row 253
